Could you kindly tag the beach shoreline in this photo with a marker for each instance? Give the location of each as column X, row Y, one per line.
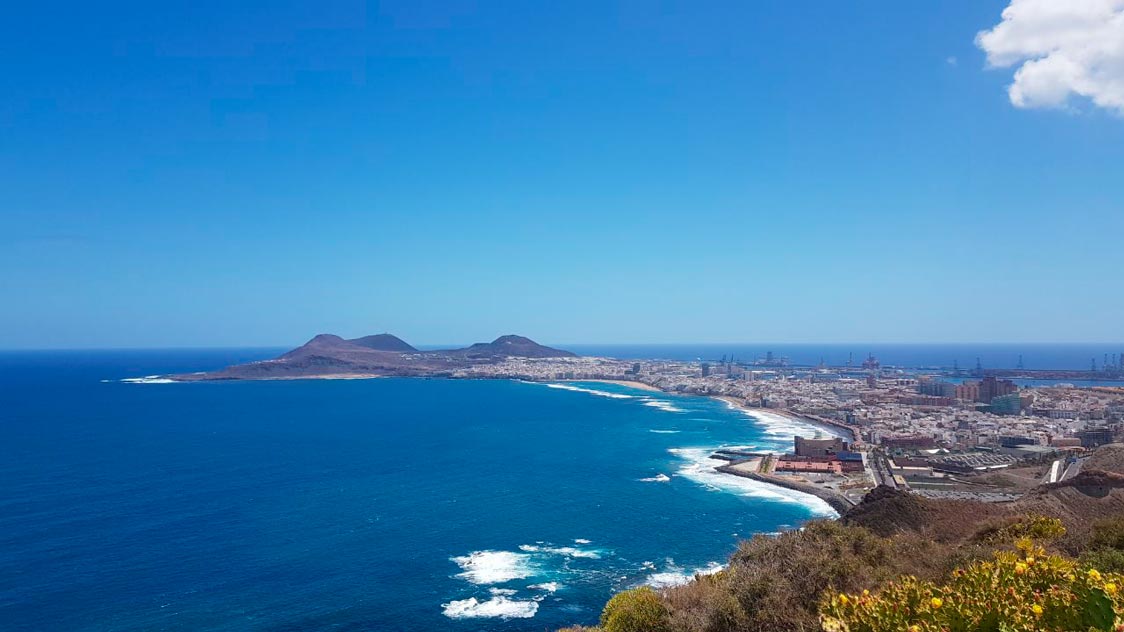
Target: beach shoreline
column 833, row 429
column 640, row 386
column 836, row 501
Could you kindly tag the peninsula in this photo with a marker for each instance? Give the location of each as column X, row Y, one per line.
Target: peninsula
column 380, row 355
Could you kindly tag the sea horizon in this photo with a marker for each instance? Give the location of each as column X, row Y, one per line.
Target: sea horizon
column 999, row 355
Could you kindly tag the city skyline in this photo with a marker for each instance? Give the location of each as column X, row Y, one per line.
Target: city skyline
column 212, row 176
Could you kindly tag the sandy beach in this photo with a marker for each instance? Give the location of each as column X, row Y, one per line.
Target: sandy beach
column 832, row 429
column 780, row 412
column 637, row 385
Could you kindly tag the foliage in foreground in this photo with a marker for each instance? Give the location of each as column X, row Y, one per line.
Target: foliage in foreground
column 636, row 610
column 845, row 578
column 1021, row 591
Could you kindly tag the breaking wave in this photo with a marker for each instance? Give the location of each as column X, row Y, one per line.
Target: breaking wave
column 568, row 551
column 658, row 478
column 781, row 426
column 499, row 606
column 591, row 391
column 701, row 468
column 542, row 561
column 494, row 567
column 673, row 575
column 148, row 379
column 662, row 404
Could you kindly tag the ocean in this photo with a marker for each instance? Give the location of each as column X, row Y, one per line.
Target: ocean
column 384, row 504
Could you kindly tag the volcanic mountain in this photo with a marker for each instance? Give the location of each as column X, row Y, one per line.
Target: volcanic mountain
column 329, row 355
column 384, row 342
column 510, row 346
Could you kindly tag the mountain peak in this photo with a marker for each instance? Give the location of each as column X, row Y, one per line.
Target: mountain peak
column 512, row 339
column 384, row 342
column 516, row 346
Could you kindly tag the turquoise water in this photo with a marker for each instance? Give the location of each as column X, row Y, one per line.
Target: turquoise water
column 389, row 504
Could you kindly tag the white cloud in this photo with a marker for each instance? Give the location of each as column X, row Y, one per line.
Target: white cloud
column 1063, row 48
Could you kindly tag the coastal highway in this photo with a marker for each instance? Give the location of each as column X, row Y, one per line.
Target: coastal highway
column 1073, row 469
column 880, row 470
column 1060, row 472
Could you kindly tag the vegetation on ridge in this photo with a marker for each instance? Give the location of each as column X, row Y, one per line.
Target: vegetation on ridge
column 905, row 563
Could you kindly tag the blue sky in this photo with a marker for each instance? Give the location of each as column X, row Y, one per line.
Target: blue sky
column 198, row 174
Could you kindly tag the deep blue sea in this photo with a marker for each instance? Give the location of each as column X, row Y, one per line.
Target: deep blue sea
column 386, row 504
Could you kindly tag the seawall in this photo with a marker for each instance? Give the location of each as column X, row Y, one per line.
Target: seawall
column 838, row 502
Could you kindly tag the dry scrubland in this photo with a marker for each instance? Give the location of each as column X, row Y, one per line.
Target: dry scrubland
column 901, row 562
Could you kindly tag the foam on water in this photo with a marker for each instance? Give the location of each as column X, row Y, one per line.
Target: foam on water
column 701, row 468
column 665, row 431
column 148, row 379
column 494, row 567
column 658, row 478
column 499, row 606
column 673, row 575
column 567, row 551
column 662, row 404
column 781, row 426
column 543, row 561
column 591, row 391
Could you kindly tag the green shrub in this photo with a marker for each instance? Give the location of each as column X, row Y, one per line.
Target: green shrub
column 778, row 582
column 636, row 610
column 1108, row 534
column 705, row 605
column 1039, row 528
column 1110, row 560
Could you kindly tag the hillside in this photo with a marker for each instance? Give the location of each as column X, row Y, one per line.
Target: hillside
column 329, row 355
column 384, row 342
column 1109, row 458
column 510, row 346
column 887, row 512
column 782, row 583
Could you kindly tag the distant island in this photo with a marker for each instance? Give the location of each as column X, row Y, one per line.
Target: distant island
column 380, row 355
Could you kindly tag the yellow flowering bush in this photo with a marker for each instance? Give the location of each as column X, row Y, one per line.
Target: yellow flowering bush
column 1026, row 590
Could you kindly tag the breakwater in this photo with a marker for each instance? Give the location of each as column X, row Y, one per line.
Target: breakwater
column 838, row 502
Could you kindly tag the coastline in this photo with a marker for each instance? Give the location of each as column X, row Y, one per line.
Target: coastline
column 182, row 379
column 828, row 426
column 640, row 386
column 837, row 501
